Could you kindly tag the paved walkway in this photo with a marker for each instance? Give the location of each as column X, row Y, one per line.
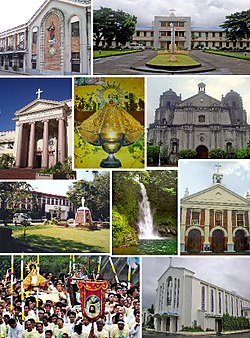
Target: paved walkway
column 172, row 335
column 121, row 65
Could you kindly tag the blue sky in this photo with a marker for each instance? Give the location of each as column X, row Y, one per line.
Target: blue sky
column 196, row 175
column 16, row 93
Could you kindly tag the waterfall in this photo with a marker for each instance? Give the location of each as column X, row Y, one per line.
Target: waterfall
column 146, row 225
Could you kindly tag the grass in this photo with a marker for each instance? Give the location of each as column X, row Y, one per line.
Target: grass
column 181, row 61
column 112, row 52
column 60, row 239
column 229, row 54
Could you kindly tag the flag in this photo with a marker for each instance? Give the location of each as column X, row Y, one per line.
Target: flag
column 133, row 262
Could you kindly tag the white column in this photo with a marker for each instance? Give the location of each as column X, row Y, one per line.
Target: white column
column 32, row 145
column 230, row 244
column 45, row 144
column 19, row 146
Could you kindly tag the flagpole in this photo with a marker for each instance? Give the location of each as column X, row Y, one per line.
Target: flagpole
column 11, row 282
column 22, row 290
column 37, row 287
column 74, row 264
column 129, row 276
column 70, row 264
column 113, row 269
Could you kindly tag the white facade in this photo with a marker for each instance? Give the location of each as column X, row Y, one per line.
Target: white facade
column 42, row 135
column 183, row 300
column 186, row 36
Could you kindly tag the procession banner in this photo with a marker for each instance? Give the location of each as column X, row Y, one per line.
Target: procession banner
column 92, row 295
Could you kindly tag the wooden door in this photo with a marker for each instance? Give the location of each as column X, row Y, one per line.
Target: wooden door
column 239, row 245
column 194, row 241
column 218, row 241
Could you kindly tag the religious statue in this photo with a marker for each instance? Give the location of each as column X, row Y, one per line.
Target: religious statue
column 51, row 30
column 34, row 279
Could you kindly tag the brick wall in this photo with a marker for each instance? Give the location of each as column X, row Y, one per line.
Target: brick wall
column 52, row 62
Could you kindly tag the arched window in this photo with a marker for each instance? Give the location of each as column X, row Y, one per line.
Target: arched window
column 178, row 292
column 203, row 298
column 219, row 302
column 226, row 301
column 169, row 290
column 212, row 300
column 75, row 44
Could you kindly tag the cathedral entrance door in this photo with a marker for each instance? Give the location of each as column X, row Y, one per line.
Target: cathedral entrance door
column 239, row 244
column 218, row 241
column 168, row 324
column 202, row 151
column 194, row 241
column 38, row 161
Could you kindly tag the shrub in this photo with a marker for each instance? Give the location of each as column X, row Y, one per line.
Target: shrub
column 217, row 153
column 153, row 154
column 187, row 153
column 243, row 153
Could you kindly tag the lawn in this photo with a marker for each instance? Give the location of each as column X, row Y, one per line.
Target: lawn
column 163, row 60
column 229, row 54
column 112, row 52
column 60, row 239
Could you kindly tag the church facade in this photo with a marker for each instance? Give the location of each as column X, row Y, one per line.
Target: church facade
column 42, row 134
column 215, row 220
column 199, row 122
column 183, row 300
column 56, row 40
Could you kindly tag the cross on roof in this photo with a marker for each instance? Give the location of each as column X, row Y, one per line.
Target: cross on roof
column 39, row 92
column 172, row 10
column 218, row 168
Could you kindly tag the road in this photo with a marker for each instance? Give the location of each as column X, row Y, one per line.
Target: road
column 121, row 65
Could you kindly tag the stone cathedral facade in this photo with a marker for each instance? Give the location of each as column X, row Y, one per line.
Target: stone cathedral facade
column 199, row 122
column 56, row 40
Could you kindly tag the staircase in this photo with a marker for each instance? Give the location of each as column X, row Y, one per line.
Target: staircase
column 18, row 173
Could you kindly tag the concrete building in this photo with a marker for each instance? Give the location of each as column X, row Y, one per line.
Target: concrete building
column 199, row 122
column 56, row 40
column 46, row 204
column 214, row 220
column 186, row 37
column 183, row 300
column 42, row 134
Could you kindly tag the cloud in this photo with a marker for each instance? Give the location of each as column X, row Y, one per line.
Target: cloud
column 231, row 273
column 207, row 13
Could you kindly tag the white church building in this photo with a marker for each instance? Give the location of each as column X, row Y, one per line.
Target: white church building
column 42, row 135
column 183, row 300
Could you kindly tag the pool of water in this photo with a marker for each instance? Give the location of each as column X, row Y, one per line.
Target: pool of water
column 150, row 247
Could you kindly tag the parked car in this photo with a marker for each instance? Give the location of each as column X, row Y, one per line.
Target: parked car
column 135, row 45
column 20, row 218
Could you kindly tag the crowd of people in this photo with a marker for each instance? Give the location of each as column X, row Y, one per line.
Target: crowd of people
column 50, row 313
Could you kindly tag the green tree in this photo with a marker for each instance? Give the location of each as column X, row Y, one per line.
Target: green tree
column 237, row 25
column 7, row 161
column 12, row 193
column 109, row 25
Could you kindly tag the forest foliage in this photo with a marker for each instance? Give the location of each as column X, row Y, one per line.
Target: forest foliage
column 161, row 189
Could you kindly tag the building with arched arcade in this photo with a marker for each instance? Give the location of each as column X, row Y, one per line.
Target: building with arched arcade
column 56, row 40
column 215, row 220
column 199, row 122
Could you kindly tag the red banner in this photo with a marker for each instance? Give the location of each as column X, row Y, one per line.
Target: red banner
column 92, row 295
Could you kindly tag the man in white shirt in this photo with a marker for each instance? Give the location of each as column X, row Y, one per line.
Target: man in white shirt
column 15, row 329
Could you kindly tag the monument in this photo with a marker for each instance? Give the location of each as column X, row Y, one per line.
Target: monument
column 83, row 215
